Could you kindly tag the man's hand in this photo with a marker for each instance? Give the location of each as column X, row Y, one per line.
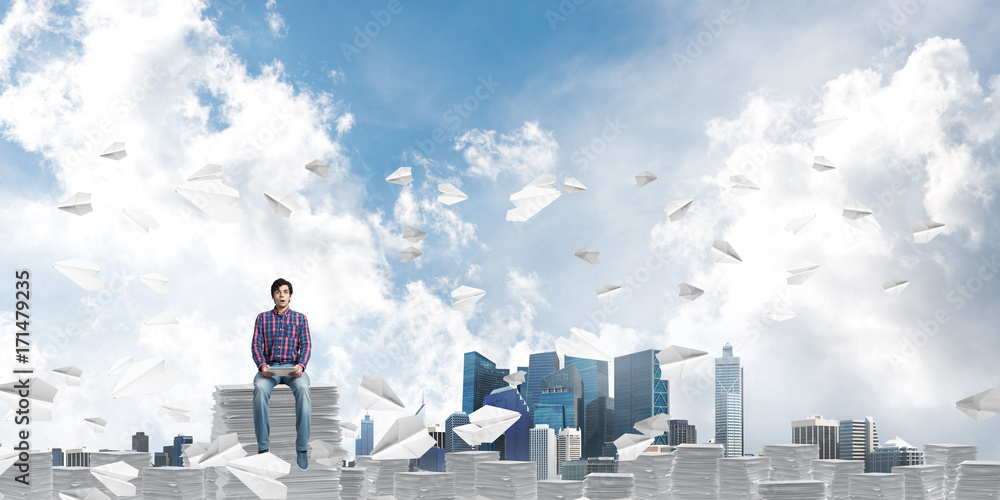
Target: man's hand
column 265, row 371
column 297, row 373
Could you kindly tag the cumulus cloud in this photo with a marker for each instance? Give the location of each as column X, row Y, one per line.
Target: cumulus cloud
column 275, row 21
column 525, row 152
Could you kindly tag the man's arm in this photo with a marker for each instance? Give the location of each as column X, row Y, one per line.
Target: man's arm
column 257, row 345
column 305, row 343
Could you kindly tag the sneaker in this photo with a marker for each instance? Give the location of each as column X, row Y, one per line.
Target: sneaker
column 261, row 452
column 302, row 458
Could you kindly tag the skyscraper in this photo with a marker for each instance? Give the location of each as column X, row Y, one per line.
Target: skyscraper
column 893, row 453
column 639, row 392
column 140, row 442
column 365, row 442
column 568, row 447
column 58, row 458
column 857, row 439
column 729, row 402
column 453, row 442
column 682, row 433
column 513, row 445
column 540, row 365
column 480, row 376
column 177, row 460
column 543, row 451
column 438, row 433
column 599, row 421
column 564, row 389
column 817, row 430
column 594, row 374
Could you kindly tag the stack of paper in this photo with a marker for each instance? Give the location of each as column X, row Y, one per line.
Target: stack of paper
column 352, row 483
column 922, row 482
column 559, row 489
column 978, row 479
column 836, row 474
column 381, row 475
column 651, row 472
column 739, row 477
column 172, row 483
column 463, row 464
column 695, row 472
column 506, row 479
column 424, row 485
column 949, row 455
column 874, row 486
column 40, row 487
column 791, row 462
column 137, row 459
column 608, row 485
column 792, row 490
column 68, row 478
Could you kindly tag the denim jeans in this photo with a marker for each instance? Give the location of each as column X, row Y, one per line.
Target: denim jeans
column 262, row 387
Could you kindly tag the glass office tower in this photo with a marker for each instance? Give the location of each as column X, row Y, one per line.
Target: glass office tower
column 729, row 403
column 480, row 376
column 639, row 392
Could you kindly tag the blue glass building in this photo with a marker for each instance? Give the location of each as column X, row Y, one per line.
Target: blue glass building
column 453, row 442
column 365, row 442
column 480, row 377
column 58, row 459
column 599, row 419
column 595, row 385
column 513, row 444
column 540, row 365
column 552, row 415
column 177, row 458
column 563, row 388
column 639, row 392
column 432, row 460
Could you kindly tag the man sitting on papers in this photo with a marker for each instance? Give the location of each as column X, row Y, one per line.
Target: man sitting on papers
column 281, row 348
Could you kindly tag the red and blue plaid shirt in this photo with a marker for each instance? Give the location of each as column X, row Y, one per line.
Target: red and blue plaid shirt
column 281, row 338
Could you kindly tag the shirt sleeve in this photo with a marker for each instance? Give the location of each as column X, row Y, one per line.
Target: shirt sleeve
column 257, row 345
column 305, row 343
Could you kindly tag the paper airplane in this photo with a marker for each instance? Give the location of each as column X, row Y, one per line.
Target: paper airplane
column 587, row 254
column 411, row 253
column 209, row 172
column 166, row 318
column 260, row 474
column 532, row 198
column 465, row 297
column 487, row 424
column 155, row 281
column 193, row 453
column 690, row 292
column 349, row 430
column 77, row 203
column 778, row 311
column 374, row 393
column 821, row 164
column 412, row 234
column 798, row 273
column 571, row 185
column 319, row 168
column 676, row 210
column 893, row 287
column 653, row 426
column 40, row 398
column 87, row 493
column 925, row 230
column 81, row 272
column 740, row 185
column 282, row 204
column 116, row 476
column 860, row 216
column 643, row 178
column 178, row 411
column 724, row 253
column 327, row 454
column 407, row 438
column 401, row 176
column 120, row 366
column 796, row 225
column 214, row 198
column 70, row 375
column 515, row 379
column 982, row 405
column 607, row 292
column 630, row 446
column 146, row 222
column 116, row 151
column 223, row 450
column 826, row 123
column 582, row 344
column 450, row 195
column 677, row 362
column 146, row 377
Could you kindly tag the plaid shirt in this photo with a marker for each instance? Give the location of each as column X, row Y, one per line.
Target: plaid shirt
column 281, row 338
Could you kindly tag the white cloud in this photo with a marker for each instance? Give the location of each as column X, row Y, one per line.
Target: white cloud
column 275, row 21
column 526, row 152
column 23, row 22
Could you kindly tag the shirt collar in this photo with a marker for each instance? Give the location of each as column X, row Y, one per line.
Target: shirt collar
column 275, row 312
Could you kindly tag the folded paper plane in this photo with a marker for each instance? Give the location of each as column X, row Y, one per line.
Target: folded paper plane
column 450, row 195
column 860, row 216
column 487, row 424
column 740, row 185
column 653, row 426
column 724, row 253
column 643, row 178
column 412, row 234
column 77, row 204
column 401, row 176
column 571, row 185
column 214, row 198
column 40, row 398
column 582, row 344
column 798, row 273
column 178, row 411
column 282, row 204
column 327, row 454
column 822, row 164
column 607, row 292
column 374, row 393
column 794, row 226
column 532, row 198
column 587, row 254
column 407, row 438
column 81, row 272
column 96, row 424
column 70, row 375
column 630, row 446
column 260, row 473
column 893, row 287
column 411, row 253
column 319, row 168
column 925, row 230
column 155, row 281
column 465, row 297
column 677, row 362
column 192, row 454
column 86, row 493
column 982, row 405
column 676, row 210
column 116, row 151
column 209, row 172
column 349, row 430
column 116, row 476
column 146, row 377
column 690, row 292
column 515, row 379
column 223, row 450
column 144, row 221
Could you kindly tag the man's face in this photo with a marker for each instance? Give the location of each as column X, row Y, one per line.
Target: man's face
column 282, row 297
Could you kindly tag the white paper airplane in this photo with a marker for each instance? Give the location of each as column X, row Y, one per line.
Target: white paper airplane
column 690, row 292
column 120, row 366
column 778, row 311
column 327, row 454
column 724, row 253
column 826, row 123
column 178, row 411
column 822, row 164
column 260, row 473
column 799, row 272
column 209, row 172
column 893, row 287
column 116, row 476
column 192, row 454
column 676, row 210
column 349, row 430
column 515, row 379
column 740, row 185
column 86, row 493
column 40, row 398
column 607, row 292
column 450, row 195
column 166, row 318
column 571, row 185
column 630, row 446
column 582, row 344
column 412, row 234
column 981, row 406
column 860, row 216
column 374, row 393
column 532, row 198
column 319, row 168
column 677, row 362
column 70, row 375
column 146, row 377
column 116, row 151
column 81, row 272
column 653, row 426
column 587, row 254
column 77, row 203
column 925, row 230
column 794, row 226
column 282, row 204
column 643, row 178
column 401, row 176
column 487, row 424
column 407, row 438
column 465, row 297
column 144, row 221
column 223, row 450
column 96, row 424
column 157, row 282
column 410, row 253
column 214, row 198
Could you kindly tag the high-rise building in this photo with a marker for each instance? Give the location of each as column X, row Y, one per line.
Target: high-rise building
column 432, row 460
column 594, row 374
column 599, row 426
column 682, row 433
column 513, row 444
column 365, row 441
column 564, row 389
column 453, row 442
column 480, row 377
column 540, row 365
column 578, row 470
column 78, row 457
column 817, row 430
column 438, row 433
column 177, row 460
column 140, row 442
column 169, row 452
column 543, row 451
column 857, row 439
column 552, row 415
column 568, row 446
column 160, row 459
column 639, row 392
column 893, row 453
column 58, row 458
column 729, row 403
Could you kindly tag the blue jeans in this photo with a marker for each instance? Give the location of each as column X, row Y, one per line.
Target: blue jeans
column 262, row 387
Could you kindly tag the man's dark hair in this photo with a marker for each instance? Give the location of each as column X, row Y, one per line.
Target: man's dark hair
column 277, row 284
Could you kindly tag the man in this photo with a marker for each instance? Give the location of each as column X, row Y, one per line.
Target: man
column 281, row 340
